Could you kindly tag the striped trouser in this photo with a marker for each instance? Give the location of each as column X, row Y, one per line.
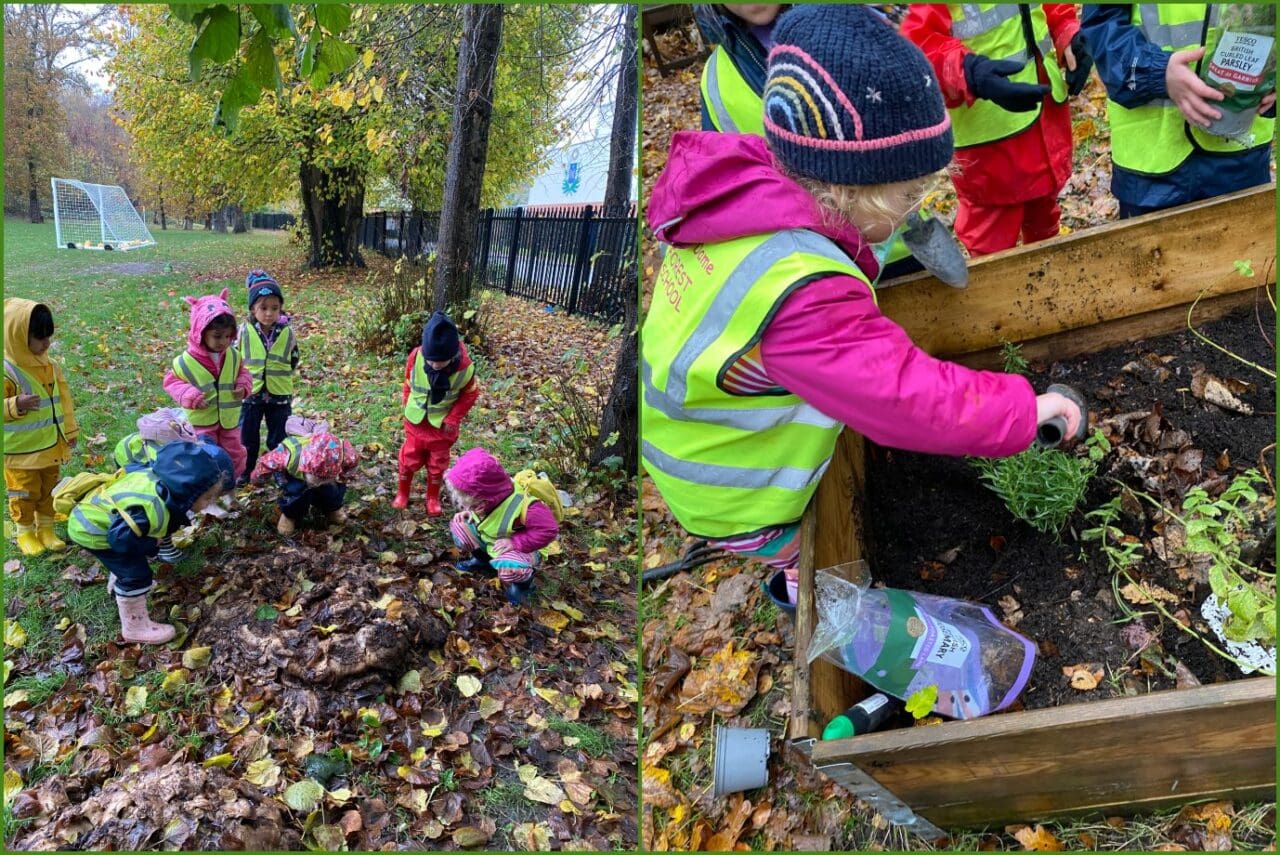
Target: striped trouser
column 512, row 565
column 777, row 547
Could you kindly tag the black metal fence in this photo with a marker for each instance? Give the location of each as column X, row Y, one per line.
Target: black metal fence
column 271, row 221
column 566, row 255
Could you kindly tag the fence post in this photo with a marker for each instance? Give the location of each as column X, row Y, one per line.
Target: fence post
column 584, row 257
column 515, row 246
column 483, row 262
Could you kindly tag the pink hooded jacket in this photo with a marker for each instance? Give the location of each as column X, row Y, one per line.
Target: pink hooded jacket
column 203, row 311
column 478, row 473
column 828, row 343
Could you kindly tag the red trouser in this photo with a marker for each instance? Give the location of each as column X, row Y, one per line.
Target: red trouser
column 990, row 228
column 425, row 446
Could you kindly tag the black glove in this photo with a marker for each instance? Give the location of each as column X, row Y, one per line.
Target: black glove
column 1084, row 64
column 989, row 78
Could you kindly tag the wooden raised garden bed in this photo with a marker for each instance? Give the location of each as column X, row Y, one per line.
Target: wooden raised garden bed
column 1065, row 297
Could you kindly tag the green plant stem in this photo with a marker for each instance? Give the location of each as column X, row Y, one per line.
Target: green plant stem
column 1204, row 338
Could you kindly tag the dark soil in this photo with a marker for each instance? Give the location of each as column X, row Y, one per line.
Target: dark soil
column 923, row 508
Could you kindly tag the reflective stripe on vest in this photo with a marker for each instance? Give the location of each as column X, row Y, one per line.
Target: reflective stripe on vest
column 294, row 445
column 91, row 520
column 419, row 406
column 734, row 107
column 133, row 450
column 502, row 520
column 1156, row 138
column 222, row 407
column 37, row 429
column 995, row 30
column 730, row 463
column 274, row 365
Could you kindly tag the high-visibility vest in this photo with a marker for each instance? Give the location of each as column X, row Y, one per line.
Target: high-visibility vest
column 1156, row 138
column 294, row 445
column 418, row 406
column 221, row 406
column 734, row 107
column 729, row 464
column 996, row 31
column 40, row 428
column 91, row 520
column 133, row 450
column 502, row 520
column 271, row 368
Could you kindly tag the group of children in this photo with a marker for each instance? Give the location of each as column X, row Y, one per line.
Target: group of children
column 226, row 382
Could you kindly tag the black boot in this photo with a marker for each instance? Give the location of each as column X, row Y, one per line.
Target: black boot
column 477, row 563
column 518, row 593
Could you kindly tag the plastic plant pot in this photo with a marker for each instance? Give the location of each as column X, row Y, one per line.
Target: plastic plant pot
column 741, row 761
column 776, row 588
column 1232, row 125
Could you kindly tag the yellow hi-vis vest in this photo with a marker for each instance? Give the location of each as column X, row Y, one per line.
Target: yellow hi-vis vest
column 728, row 463
column 294, row 445
column 995, row 30
column 502, row 520
column 734, row 107
column 419, row 406
column 91, row 520
column 1156, row 138
column 271, row 368
column 38, row 429
column 133, row 450
column 221, row 406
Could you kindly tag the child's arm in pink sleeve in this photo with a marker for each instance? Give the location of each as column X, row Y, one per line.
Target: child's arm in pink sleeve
column 540, row 529
column 829, row 345
column 183, row 393
column 274, row 460
column 244, row 381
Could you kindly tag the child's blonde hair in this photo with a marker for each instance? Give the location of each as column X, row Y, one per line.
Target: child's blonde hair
column 874, row 203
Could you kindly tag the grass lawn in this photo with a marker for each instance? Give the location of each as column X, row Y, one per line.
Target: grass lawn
column 120, row 320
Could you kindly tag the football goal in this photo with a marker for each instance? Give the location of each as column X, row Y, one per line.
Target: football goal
column 96, row 216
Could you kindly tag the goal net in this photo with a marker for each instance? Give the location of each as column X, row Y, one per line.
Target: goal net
column 96, row 216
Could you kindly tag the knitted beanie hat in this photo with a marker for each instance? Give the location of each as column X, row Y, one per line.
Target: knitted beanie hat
column 261, row 284
column 849, row 101
column 439, row 338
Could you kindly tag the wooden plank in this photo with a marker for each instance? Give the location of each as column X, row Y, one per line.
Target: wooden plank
column 830, row 534
column 1127, row 753
column 1101, row 336
column 1093, row 277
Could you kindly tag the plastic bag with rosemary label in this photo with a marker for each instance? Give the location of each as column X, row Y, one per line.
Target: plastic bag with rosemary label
column 1240, row 62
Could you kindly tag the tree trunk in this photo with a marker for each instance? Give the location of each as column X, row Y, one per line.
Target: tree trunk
column 208, row 222
column 33, row 195
column 468, row 150
column 238, row 224
column 620, row 422
column 220, row 220
column 164, row 224
column 332, row 206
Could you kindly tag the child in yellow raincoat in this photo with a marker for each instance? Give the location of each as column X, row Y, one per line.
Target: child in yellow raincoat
column 39, row 423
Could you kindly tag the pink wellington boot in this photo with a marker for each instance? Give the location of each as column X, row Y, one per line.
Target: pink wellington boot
column 136, row 625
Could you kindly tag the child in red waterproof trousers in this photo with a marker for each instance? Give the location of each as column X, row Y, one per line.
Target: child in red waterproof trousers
column 439, row 390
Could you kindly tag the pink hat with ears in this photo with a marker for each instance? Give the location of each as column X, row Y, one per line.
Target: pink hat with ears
column 203, row 311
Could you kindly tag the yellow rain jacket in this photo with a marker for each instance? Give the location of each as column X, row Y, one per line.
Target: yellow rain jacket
column 17, row 322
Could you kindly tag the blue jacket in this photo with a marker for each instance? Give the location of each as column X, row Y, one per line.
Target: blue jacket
column 185, row 471
column 1132, row 69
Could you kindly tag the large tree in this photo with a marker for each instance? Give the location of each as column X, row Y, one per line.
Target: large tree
column 468, row 147
column 619, row 425
column 43, row 47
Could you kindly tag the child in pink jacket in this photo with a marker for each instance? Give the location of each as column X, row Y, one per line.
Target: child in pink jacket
column 763, row 338
column 208, row 379
column 503, row 529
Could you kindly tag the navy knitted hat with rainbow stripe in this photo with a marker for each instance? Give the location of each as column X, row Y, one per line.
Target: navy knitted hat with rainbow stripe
column 849, row 101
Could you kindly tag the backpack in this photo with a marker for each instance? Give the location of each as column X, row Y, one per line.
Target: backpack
column 74, row 489
column 539, row 486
